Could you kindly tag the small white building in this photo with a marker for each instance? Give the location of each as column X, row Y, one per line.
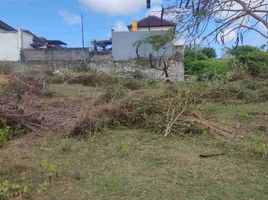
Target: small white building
column 12, row 41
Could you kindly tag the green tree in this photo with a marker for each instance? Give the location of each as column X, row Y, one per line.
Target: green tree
column 209, row 52
column 241, row 51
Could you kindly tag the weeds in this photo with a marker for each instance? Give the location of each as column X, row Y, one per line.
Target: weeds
column 8, row 132
column 258, row 146
column 48, row 169
column 5, row 135
column 13, row 190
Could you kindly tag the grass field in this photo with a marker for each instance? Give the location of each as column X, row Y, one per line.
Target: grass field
column 137, row 163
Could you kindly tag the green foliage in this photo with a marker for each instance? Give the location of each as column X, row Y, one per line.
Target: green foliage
column 209, row 52
column 8, row 132
column 12, row 190
column 48, row 169
column 254, row 60
column 5, row 134
column 202, row 62
column 191, row 54
column 259, row 146
column 241, row 51
column 156, row 41
column 209, row 68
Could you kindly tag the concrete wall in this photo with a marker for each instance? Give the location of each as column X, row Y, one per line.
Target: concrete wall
column 124, row 48
column 103, row 62
column 65, row 54
column 9, row 47
column 11, row 43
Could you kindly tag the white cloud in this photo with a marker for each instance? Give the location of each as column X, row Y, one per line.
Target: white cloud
column 157, row 10
column 228, row 35
column 70, row 18
column 116, row 7
column 120, row 26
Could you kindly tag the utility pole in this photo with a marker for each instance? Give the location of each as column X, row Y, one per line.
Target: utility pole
column 148, row 4
column 82, row 24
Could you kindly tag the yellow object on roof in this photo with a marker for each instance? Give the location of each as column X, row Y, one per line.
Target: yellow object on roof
column 134, row 26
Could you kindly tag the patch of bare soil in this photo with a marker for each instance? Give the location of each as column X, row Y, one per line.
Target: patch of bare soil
column 50, row 112
column 4, row 80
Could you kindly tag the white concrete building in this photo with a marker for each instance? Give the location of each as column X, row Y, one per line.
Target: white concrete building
column 12, row 41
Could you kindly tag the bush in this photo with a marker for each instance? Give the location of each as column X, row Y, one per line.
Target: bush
column 254, row 60
column 241, row 51
column 210, row 68
column 209, row 52
column 8, row 132
column 193, row 55
column 5, row 134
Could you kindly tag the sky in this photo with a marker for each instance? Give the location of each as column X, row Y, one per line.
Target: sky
column 60, row 19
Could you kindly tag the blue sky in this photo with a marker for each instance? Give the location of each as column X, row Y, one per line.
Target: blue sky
column 47, row 18
column 59, row 19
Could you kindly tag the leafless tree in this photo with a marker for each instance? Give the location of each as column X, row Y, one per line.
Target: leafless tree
column 218, row 20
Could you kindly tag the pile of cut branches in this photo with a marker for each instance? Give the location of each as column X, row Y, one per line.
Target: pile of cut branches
column 11, row 106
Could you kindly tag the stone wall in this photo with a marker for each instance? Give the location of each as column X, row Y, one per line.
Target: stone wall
column 100, row 62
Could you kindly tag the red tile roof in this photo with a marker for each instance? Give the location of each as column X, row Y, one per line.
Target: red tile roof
column 153, row 21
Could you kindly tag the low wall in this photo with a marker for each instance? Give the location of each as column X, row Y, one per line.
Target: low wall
column 103, row 62
column 64, row 54
column 81, row 59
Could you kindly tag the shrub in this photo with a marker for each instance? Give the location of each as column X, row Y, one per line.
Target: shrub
column 210, row 68
column 8, row 132
column 258, row 146
column 254, row 60
column 241, row 51
column 5, row 134
column 209, row 52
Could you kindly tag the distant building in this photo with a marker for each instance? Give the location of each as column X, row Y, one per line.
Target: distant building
column 12, row 41
column 153, row 23
column 43, row 43
column 124, row 43
column 55, row 44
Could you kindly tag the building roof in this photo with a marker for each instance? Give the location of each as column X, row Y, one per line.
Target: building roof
column 6, row 27
column 55, row 42
column 153, row 21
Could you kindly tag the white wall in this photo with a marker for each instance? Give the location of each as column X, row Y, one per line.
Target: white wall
column 11, row 43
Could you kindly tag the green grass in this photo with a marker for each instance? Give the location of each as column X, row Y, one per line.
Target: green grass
column 249, row 116
column 135, row 164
